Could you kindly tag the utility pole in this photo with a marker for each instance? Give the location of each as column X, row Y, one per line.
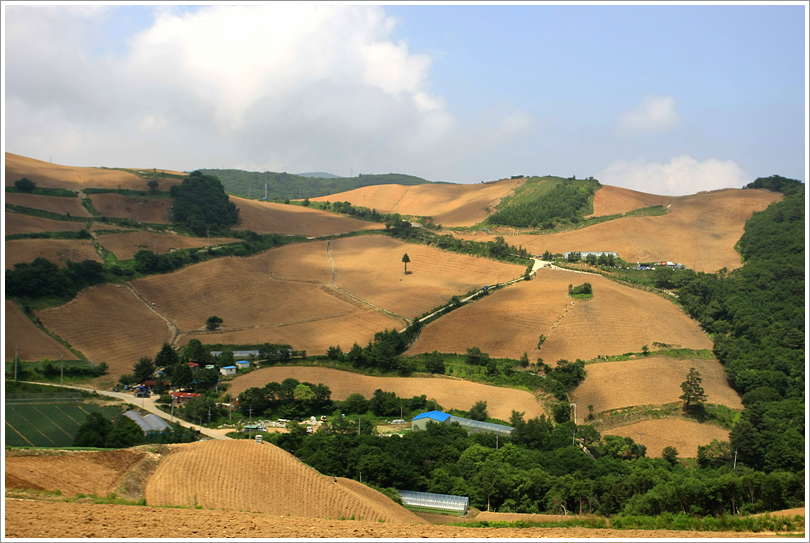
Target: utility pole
column 735, row 458
column 16, row 351
column 639, row 437
column 250, row 428
column 172, row 408
column 63, row 370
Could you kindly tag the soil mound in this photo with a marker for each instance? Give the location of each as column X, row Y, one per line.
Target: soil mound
column 71, row 472
column 241, row 475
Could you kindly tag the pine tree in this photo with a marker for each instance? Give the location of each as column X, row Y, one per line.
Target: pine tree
column 693, row 393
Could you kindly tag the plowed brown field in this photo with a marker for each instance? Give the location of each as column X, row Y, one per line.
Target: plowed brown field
column 246, row 476
column 700, row 231
column 449, row 205
column 46, row 174
column 108, row 324
column 53, row 204
column 315, row 336
column 449, row 393
column 612, row 200
column 71, row 472
column 33, row 343
column 152, row 210
column 268, row 217
column 17, row 223
column 371, row 267
column 43, row 519
column 57, row 251
column 684, row 435
column 125, row 245
column 651, row 381
column 616, row 320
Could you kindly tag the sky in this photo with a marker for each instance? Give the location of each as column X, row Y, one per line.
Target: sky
column 663, row 99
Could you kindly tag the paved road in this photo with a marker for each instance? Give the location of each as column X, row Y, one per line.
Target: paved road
column 149, row 405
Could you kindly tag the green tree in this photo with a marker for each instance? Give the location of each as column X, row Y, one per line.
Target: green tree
column 434, row 363
column 25, row 184
column 305, row 203
column 524, row 360
column 478, row 411
column 670, row 454
column 94, row 431
column 201, row 204
column 126, row 433
column 181, row 376
column 213, row 323
column 406, row 259
column 153, row 184
column 166, row 357
column 144, row 369
column 355, row 404
column 693, row 393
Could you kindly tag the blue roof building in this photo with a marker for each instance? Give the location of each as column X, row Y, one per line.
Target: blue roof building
column 421, row 421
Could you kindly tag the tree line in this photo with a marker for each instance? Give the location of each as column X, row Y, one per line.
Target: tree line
column 531, row 208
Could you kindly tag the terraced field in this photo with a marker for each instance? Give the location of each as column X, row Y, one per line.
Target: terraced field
column 33, row 343
column 58, row 251
column 126, row 244
column 107, row 323
column 686, row 436
column 52, row 204
column 150, row 210
column 16, row 223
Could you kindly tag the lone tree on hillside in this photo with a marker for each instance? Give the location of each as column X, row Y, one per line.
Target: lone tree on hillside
column 213, row 323
column 693, row 393
column 406, row 259
column 153, row 184
column 25, row 184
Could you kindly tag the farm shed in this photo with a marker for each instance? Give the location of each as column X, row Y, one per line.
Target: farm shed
column 149, row 424
column 242, row 364
column 183, row 397
column 434, row 501
column 420, row 422
column 228, row 370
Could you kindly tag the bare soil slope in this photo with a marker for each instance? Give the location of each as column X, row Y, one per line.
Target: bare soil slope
column 450, row 393
column 245, row 476
column 616, row 320
column 684, row 435
column 43, row 519
column 371, row 267
column 33, row 343
column 448, row 205
column 16, row 223
column 651, row 381
column 108, row 324
column 700, row 231
column 71, row 472
column 125, row 245
column 52, row 204
column 613, row 200
column 57, row 251
column 151, row 210
column 46, row 174
column 272, row 218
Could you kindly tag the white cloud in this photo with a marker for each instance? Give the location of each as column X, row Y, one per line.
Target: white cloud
column 279, row 86
column 680, row 176
column 654, row 114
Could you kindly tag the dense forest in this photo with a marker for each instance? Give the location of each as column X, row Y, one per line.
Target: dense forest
column 285, row 186
column 201, row 205
column 545, row 202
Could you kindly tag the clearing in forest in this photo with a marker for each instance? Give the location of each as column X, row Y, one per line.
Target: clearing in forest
column 17, row 223
column 151, row 210
column 700, row 231
column 652, row 380
column 449, row 393
column 241, row 475
column 447, row 204
column 53, row 204
column 107, row 323
column 46, row 174
column 33, row 343
column 371, row 268
column 273, row 218
column 685, row 435
column 509, row 322
column 125, row 245
column 58, row 251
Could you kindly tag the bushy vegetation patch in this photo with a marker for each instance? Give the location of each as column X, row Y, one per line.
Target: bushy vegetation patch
column 545, row 201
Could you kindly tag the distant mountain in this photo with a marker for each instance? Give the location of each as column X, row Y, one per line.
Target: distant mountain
column 286, row 185
column 323, row 175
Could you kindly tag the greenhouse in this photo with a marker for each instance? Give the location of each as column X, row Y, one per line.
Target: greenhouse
column 435, row 501
column 421, row 421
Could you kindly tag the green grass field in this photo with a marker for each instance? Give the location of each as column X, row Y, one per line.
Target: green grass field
column 48, row 424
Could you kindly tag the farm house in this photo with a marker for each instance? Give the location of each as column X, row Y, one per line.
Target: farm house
column 242, row 364
column 228, row 370
column 421, row 421
column 183, row 397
